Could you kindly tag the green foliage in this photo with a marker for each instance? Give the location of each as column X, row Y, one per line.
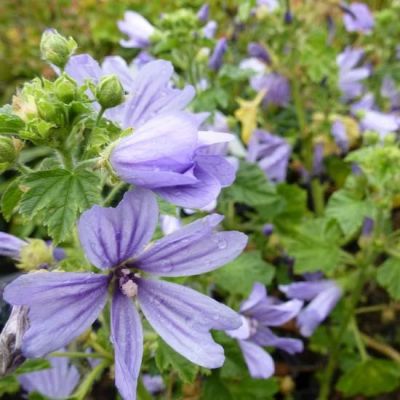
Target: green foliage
column 239, row 275
column 32, row 365
column 9, row 122
column 8, row 385
column 370, row 378
column 58, row 196
column 389, row 277
column 11, row 198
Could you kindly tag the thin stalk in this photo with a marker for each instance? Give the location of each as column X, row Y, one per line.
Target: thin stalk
column 381, row 347
column 114, row 191
column 317, row 193
column 66, row 158
column 359, row 341
column 76, row 354
column 377, row 308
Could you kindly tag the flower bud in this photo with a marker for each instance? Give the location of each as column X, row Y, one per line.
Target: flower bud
column 35, row 254
column 50, row 111
column 9, row 149
column 371, row 137
column 56, row 49
column 109, row 92
column 65, row 89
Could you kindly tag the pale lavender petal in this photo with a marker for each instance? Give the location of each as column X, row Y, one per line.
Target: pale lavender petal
column 338, row 131
column 358, row 18
column 153, row 383
column 169, row 224
column 216, row 59
column 210, row 29
column 258, row 51
column 306, row 290
column 117, row 65
column 83, row 67
column 258, row 361
column 127, row 338
column 10, row 245
column 276, row 86
column 110, row 236
column 137, row 28
column 380, row 122
column 184, row 317
column 218, row 167
column 278, row 314
column 194, row 249
column 203, row 12
column 57, row 382
column 265, row 337
column 257, row 295
column 62, row 305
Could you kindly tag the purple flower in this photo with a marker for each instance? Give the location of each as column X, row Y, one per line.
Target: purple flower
column 142, row 58
column 350, row 76
column 169, row 156
column 257, row 51
column 203, row 12
column 276, row 86
column 57, row 382
column 390, row 92
column 216, row 59
column 357, row 18
column 268, row 229
column 138, row 30
column 149, row 91
column 318, row 159
column 271, row 5
column 11, row 246
column 153, row 383
column 259, row 312
column 271, row 152
column 322, row 295
column 338, row 131
column 169, row 224
column 62, row 305
column 210, row 29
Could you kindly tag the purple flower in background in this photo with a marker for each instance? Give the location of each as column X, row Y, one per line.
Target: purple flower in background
column 338, row 131
column 390, row 92
column 276, row 86
column 322, row 295
column 142, row 58
column 318, row 159
column 257, row 51
column 210, row 29
column 149, row 91
column 153, row 383
column 203, row 12
column 268, row 229
column 254, row 64
column 169, row 156
column 260, row 312
column 62, row 305
column 271, row 5
column 272, row 154
column 57, row 382
column 350, row 76
column 138, row 30
column 357, row 18
column 216, row 59
column 372, row 119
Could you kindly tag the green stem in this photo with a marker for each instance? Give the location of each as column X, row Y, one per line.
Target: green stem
column 317, row 193
column 23, row 168
column 377, row 308
column 86, row 385
column 114, row 191
column 66, row 158
column 76, row 354
column 99, row 115
column 359, row 341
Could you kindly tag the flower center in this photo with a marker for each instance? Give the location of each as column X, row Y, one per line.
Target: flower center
column 127, row 283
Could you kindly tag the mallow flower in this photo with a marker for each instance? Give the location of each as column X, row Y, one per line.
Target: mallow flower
column 322, row 294
column 338, row 131
column 260, row 312
column 276, row 87
column 153, row 383
column 138, row 30
column 203, row 12
column 271, row 153
column 62, row 305
column 209, row 29
column 351, row 75
column 168, row 155
column 216, row 59
column 57, row 382
column 357, row 18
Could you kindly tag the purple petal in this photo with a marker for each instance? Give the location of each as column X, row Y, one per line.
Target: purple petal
column 358, row 18
column 306, row 290
column 117, row 65
column 243, row 332
column 193, row 249
column 138, row 30
column 257, row 295
column 184, row 317
column 57, row 382
column 127, row 338
column 216, row 59
column 62, row 305
column 218, row 167
column 83, row 67
column 210, row 29
column 259, row 362
column 110, row 236
column 10, row 245
column 278, row 314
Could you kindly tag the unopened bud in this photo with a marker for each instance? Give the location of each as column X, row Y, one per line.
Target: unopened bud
column 65, row 89
column 371, row 137
column 9, row 149
column 109, row 92
column 56, row 49
column 50, row 111
column 35, row 254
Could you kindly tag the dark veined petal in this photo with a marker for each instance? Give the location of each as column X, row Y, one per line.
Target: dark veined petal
column 127, row 338
column 110, row 236
column 258, row 361
column 194, row 249
column 184, row 317
column 62, row 305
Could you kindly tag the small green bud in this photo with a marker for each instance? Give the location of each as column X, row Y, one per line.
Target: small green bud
column 9, row 149
column 371, row 137
column 65, row 89
column 389, row 139
column 56, row 49
column 50, row 111
column 35, row 254
column 109, row 92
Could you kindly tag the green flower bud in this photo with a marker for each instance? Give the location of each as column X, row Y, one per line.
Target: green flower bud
column 109, row 92
column 56, row 49
column 371, row 137
column 50, row 111
column 65, row 89
column 35, row 254
column 9, row 149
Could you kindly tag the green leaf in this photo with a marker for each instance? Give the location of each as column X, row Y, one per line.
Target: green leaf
column 239, row 275
column 166, row 358
column 32, row 365
column 8, row 385
column 57, row 196
column 255, row 389
column 370, row 378
column 251, row 187
column 10, row 199
column 214, row 388
column 9, row 122
column 389, row 277
column 315, row 246
column 349, row 210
